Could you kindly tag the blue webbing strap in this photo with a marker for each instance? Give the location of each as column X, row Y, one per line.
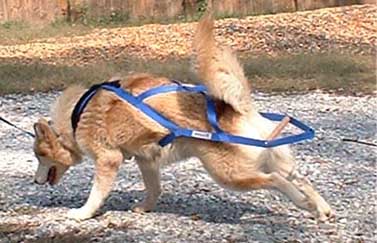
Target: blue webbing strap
column 84, row 100
column 217, row 135
column 170, row 88
column 149, row 111
column 175, row 130
column 179, row 87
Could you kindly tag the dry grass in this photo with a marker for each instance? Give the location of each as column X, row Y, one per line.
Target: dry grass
column 329, row 72
column 347, row 73
column 16, row 32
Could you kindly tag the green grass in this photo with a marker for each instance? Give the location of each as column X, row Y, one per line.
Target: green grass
column 349, row 74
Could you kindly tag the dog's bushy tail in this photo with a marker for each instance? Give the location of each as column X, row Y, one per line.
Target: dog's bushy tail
column 219, row 69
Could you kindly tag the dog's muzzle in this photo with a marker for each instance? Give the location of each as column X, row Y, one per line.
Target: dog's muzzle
column 45, row 174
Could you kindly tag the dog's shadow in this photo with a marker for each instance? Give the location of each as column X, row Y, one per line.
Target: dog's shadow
column 199, row 206
column 204, row 206
column 207, row 207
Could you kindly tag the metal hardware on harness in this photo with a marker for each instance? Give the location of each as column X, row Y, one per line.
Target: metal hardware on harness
column 218, row 135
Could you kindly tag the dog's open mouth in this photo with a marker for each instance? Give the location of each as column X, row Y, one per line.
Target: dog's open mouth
column 51, row 175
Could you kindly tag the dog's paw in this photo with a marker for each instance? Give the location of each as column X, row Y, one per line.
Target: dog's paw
column 79, row 214
column 142, row 207
column 324, row 212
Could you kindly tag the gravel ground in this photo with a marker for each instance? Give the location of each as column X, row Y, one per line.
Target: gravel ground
column 192, row 207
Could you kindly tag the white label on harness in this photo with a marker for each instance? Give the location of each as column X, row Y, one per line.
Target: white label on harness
column 202, row 135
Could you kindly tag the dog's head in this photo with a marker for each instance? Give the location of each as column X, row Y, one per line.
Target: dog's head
column 54, row 156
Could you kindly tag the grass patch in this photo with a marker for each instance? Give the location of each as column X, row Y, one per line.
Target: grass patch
column 346, row 73
column 329, row 72
column 24, row 78
column 17, row 32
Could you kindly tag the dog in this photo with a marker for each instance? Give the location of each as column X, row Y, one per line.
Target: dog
column 111, row 130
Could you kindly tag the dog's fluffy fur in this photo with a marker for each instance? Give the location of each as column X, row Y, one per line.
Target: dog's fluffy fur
column 110, row 130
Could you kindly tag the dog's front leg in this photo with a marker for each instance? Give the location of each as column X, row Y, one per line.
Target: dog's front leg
column 107, row 165
column 150, row 171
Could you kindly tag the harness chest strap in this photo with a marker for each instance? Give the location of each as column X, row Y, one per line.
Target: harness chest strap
column 218, row 135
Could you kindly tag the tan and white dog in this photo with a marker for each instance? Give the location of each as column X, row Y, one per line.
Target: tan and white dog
column 111, row 129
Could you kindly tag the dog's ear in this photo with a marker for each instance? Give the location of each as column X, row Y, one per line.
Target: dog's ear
column 43, row 130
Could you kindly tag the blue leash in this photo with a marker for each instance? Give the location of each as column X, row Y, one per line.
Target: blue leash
column 218, row 135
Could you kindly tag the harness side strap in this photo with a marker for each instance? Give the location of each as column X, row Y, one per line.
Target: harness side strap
column 230, row 138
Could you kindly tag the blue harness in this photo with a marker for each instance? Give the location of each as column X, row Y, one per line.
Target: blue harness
column 217, row 135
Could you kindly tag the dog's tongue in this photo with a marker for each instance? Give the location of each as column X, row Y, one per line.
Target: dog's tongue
column 51, row 175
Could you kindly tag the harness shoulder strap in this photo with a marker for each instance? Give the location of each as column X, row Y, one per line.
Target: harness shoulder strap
column 84, row 100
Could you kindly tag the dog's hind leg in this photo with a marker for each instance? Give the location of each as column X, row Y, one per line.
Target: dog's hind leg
column 259, row 180
column 323, row 209
column 150, row 171
column 106, row 168
column 281, row 161
column 243, row 177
